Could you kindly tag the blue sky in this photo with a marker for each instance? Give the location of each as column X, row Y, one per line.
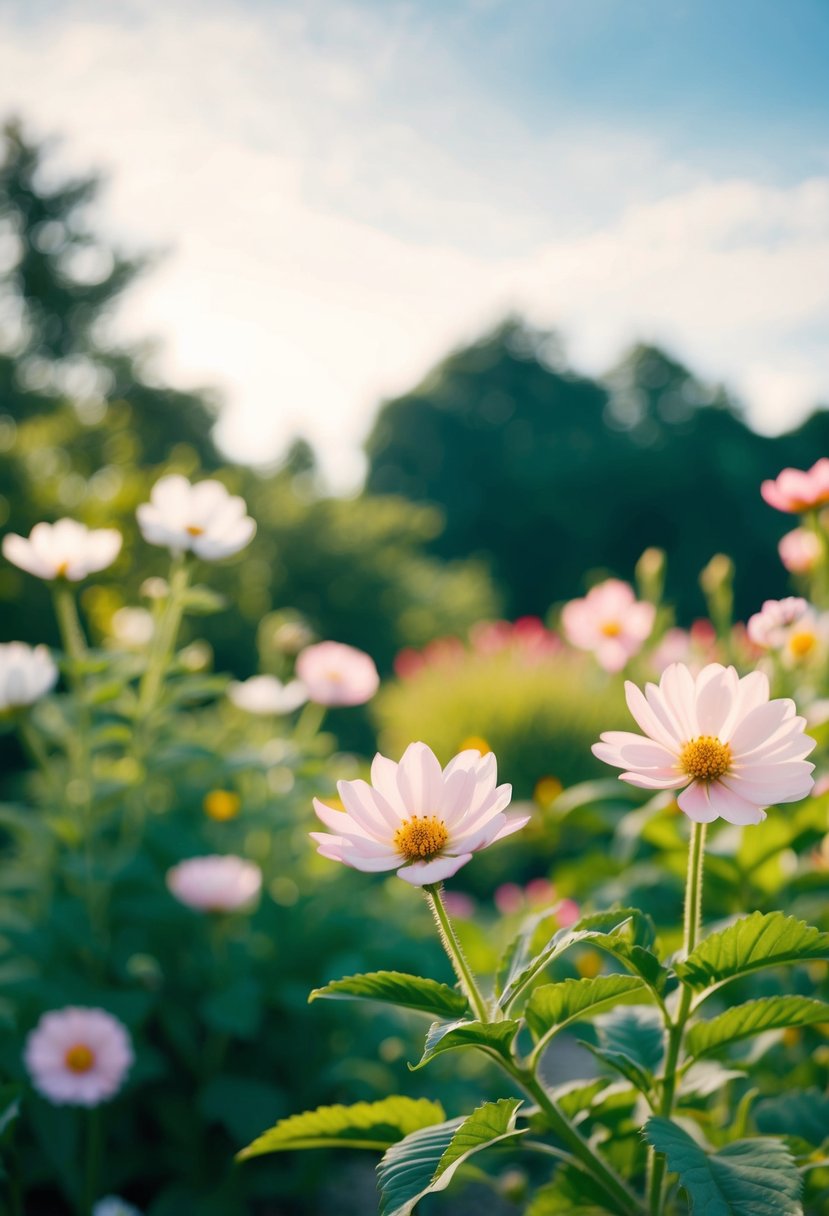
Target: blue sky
column 348, row 188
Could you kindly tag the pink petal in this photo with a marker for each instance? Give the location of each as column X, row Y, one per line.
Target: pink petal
column 384, row 779
column 652, row 781
column 420, row 780
column 423, row 872
column 678, row 694
column 759, row 724
column 695, row 803
column 716, row 690
column 654, row 725
column 361, row 803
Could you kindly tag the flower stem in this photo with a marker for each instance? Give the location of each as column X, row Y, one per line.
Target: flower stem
column 676, row 1029
column 69, row 624
column 455, row 953
column 164, row 640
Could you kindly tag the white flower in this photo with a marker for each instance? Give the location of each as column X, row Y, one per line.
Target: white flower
column 65, row 549
column 132, row 627
column 215, row 883
column 203, row 518
column 112, row 1205
column 26, row 674
column 717, row 737
column 336, row 674
column 267, row 695
column 78, row 1056
column 416, row 818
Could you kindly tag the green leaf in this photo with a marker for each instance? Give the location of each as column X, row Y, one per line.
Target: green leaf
column 622, row 1064
column 426, row 1160
column 753, row 1017
column 746, row 1178
column 202, row 601
column 803, row 1113
column 375, row 1125
column 637, row 1033
column 494, row 1037
column 763, row 939
column 573, row 1193
column 396, row 988
column 621, row 932
column 554, row 1006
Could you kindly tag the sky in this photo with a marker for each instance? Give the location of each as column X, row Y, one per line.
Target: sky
column 343, row 191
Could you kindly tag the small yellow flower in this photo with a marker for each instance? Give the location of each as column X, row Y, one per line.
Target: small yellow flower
column 474, row 743
column 221, row 805
column 547, row 789
column 589, row 964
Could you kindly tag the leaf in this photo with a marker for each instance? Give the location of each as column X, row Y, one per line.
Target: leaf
column 763, row 939
column 802, row 1113
column 426, row 1160
column 375, row 1125
column 746, row 1178
column 573, row 1193
column 753, row 1017
column 396, row 988
column 202, row 601
column 554, row 1006
column 622, row 1064
column 636, row 1033
column 620, row 932
column 447, row 1036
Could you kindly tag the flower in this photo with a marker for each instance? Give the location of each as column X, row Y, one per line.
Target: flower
column 334, row 674
column 113, row 1205
column 417, row 819
column 78, row 1055
column 800, row 551
column 610, row 621
column 203, row 518
column 26, row 674
column 221, row 805
column 790, row 626
column 795, row 491
column 65, row 549
column 132, row 627
column 267, row 695
column 217, row 883
column 733, row 750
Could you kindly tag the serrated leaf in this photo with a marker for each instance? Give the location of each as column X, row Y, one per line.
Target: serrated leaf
column 494, row 1037
column 623, row 1065
column 753, row 1017
column 621, row 933
column 426, row 1161
column 374, row 1125
column 554, row 1006
column 396, row 988
column 637, row 1033
column 802, row 1113
column 763, row 939
column 746, row 1178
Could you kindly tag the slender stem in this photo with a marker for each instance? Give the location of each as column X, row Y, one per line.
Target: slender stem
column 623, row 1199
column 676, row 1029
column 453, row 948
column 69, row 624
column 309, row 722
column 164, row 641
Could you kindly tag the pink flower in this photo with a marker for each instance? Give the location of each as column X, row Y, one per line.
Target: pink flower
column 567, row 913
column 77, row 1055
column 416, row 818
column 719, row 738
column 610, row 621
column 790, row 627
column 800, row 551
column 508, row 898
column 795, row 490
column 334, row 674
column 215, row 883
column 539, row 892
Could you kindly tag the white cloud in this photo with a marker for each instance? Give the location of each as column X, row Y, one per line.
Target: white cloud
column 342, row 205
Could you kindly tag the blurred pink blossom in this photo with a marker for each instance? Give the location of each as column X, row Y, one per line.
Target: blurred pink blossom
column 800, row 551
column 217, row 883
column 567, row 913
column 609, row 621
column 78, row 1056
column 796, row 490
column 459, row 904
column 335, row 674
column 508, row 898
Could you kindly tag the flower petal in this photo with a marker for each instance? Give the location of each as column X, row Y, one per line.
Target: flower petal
column 423, row 872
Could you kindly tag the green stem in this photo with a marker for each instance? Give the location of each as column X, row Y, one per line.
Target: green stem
column 69, row 624
column 309, row 722
column 455, row 952
column 164, row 641
column 676, row 1029
column 623, row 1199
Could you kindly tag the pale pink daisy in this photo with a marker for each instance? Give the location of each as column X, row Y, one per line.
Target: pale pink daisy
column 201, row 518
column 78, row 1056
column 65, row 549
column 216, row 883
column 790, row 627
column 610, row 621
column 336, row 674
column 800, row 551
column 416, row 818
column 798, row 490
column 719, row 736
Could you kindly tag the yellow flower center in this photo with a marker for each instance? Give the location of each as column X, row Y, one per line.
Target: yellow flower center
column 800, row 644
column 79, row 1058
column 421, row 838
column 61, row 570
column 222, row 805
column 611, row 629
column 194, row 530
column 705, row 758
